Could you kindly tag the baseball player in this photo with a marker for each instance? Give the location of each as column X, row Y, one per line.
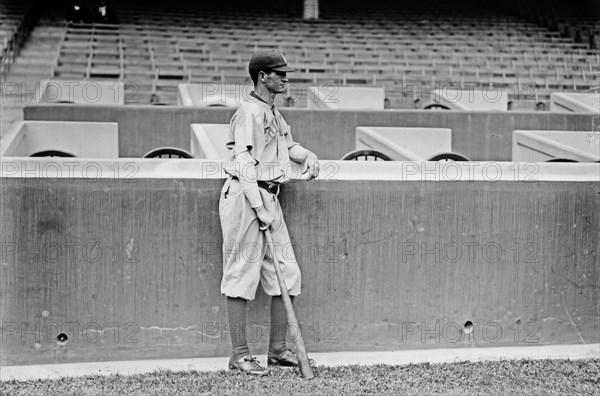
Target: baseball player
column 260, row 151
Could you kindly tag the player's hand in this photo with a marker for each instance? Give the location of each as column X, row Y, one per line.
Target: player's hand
column 265, row 218
column 311, row 165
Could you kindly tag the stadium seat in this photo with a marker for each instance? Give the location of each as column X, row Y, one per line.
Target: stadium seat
column 168, row 152
column 365, row 155
column 52, row 153
column 449, row 157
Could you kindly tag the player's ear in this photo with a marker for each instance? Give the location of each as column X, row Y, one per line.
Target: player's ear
column 263, row 76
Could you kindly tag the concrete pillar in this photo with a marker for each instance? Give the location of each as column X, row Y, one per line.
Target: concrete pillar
column 311, row 9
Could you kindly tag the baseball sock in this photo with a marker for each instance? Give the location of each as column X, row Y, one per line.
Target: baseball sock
column 279, row 325
column 236, row 313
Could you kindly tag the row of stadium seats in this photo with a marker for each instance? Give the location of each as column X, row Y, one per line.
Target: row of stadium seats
column 10, row 18
column 119, row 52
column 325, row 53
column 581, row 25
column 157, row 49
column 16, row 21
column 382, row 37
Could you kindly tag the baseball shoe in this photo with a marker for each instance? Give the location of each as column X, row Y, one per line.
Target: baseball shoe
column 249, row 365
column 287, row 359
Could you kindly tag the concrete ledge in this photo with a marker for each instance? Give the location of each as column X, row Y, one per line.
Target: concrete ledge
column 493, row 99
column 208, row 141
column 80, row 139
column 565, row 102
column 537, row 146
column 328, row 96
column 436, row 356
column 81, row 92
column 331, row 171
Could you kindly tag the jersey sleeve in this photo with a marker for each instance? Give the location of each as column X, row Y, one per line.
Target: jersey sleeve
column 244, row 128
column 247, row 176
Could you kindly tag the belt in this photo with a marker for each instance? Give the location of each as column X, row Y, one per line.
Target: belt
column 271, row 187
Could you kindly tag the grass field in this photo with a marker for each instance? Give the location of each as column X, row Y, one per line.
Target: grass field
column 524, row 377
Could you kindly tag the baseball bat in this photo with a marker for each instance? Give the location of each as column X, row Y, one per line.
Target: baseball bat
column 305, row 368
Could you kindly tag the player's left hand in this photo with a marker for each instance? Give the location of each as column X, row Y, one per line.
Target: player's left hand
column 311, row 165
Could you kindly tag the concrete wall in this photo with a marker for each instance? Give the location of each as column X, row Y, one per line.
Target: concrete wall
column 130, row 268
column 329, row 133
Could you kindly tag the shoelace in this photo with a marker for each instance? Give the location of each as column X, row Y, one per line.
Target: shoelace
column 252, row 360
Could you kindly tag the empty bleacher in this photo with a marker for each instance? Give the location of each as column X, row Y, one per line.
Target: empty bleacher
column 578, row 20
column 409, row 50
column 17, row 19
column 15, row 23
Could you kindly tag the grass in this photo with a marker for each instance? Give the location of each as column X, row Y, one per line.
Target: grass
column 523, row 377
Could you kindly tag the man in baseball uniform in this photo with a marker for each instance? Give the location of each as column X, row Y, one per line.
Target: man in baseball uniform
column 260, row 152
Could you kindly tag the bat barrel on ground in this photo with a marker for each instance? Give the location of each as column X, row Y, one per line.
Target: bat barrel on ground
column 303, row 363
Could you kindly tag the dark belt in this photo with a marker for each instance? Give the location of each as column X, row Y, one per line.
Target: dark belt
column 271, row 187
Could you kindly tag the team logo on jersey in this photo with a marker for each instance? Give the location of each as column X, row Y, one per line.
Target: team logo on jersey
column 269, row 134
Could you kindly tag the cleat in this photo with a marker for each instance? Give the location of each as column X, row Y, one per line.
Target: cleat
column 249, row 365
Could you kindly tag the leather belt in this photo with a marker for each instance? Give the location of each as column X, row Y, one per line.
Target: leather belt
column 271, row 187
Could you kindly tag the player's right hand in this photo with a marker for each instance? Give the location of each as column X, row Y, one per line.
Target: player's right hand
column 311, row 165
column 264, row 217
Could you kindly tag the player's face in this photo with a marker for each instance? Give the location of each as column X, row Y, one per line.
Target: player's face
column 276, row 82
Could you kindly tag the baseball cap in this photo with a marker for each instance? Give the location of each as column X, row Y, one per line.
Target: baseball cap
column 269, row 60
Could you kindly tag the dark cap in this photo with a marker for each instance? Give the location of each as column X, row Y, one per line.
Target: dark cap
column 269, row 60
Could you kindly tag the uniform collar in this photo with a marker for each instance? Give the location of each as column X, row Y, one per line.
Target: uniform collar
column 271, row 106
